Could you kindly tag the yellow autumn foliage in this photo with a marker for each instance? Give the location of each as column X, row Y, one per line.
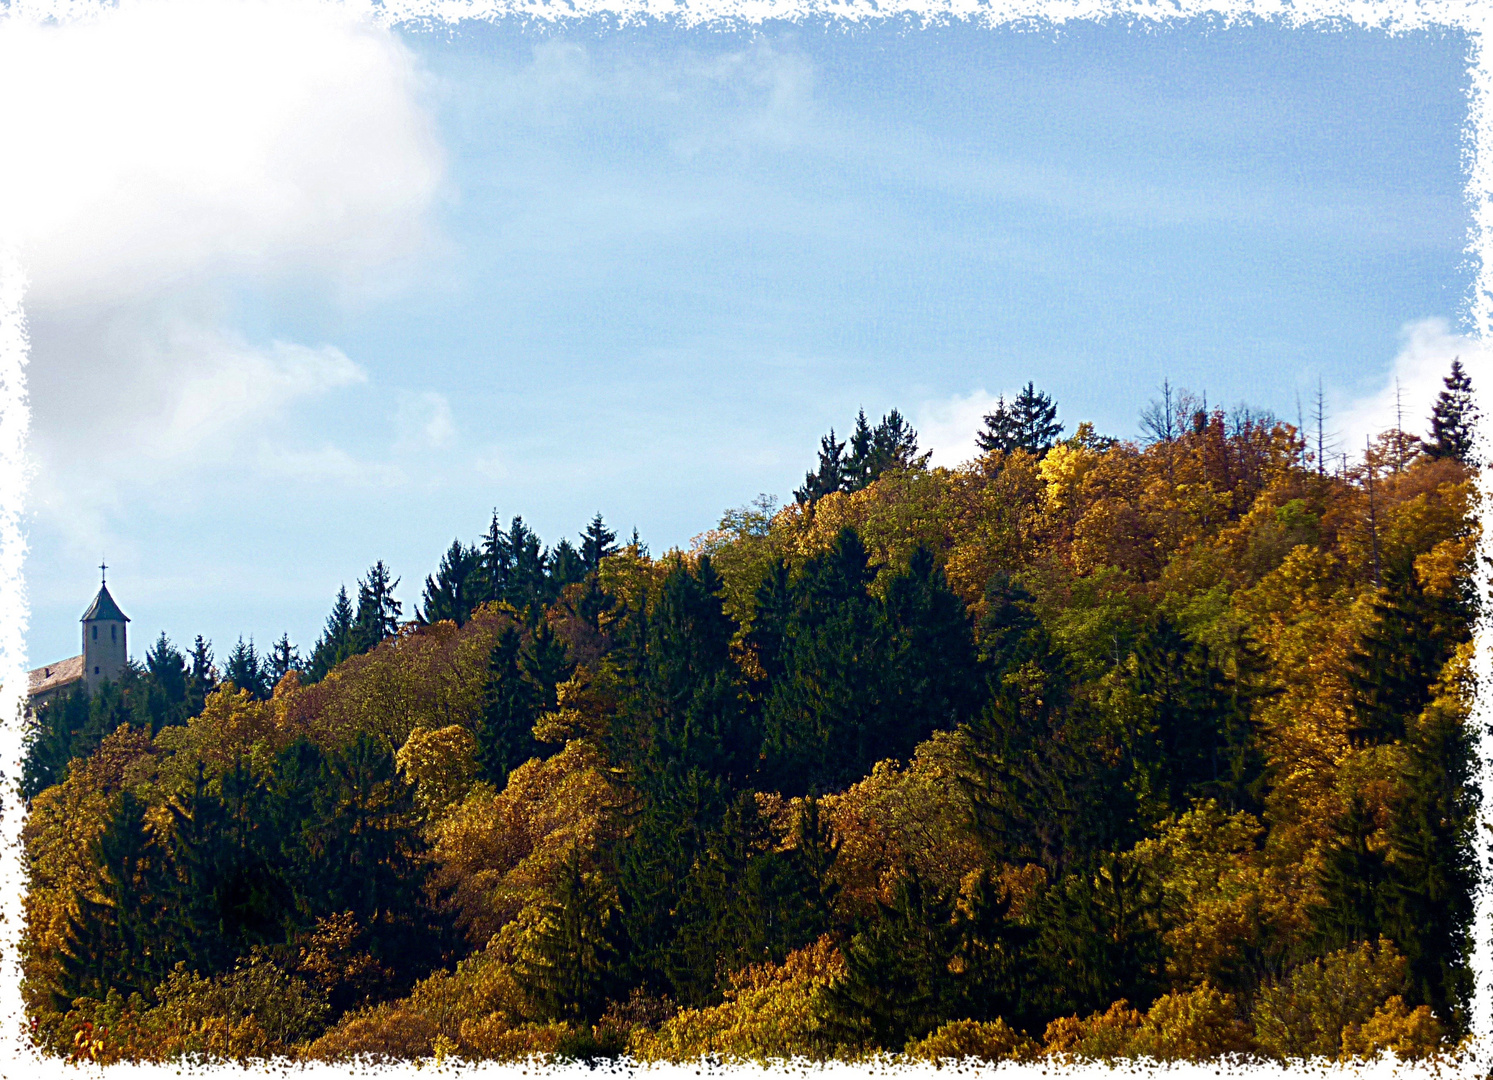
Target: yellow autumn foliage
column 961, row 1040
column 769, row 1013
column 441, row 764
column 495, row 851
column 1307, row 1014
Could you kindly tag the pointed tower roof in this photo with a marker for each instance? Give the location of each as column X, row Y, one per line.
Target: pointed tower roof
column 104, row 607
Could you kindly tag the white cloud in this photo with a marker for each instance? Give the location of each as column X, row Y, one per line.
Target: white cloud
column 324, row 464
column 231, row 386
column 423, row 422
column 166, row 138
column 1427, row 348
column 177, row 400
column 948, row 427
column 173, row 154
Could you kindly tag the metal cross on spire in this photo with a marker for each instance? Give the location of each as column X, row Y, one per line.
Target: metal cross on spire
column 103, row 568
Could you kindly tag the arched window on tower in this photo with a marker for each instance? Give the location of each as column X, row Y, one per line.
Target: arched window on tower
column 113, row 633
column 95, row 633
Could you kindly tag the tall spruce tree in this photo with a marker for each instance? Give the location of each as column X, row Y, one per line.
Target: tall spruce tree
column 49, row 740
column 510, row 705
column 933, row 678
column 1428, row 899
column 829, row 477
column 111, row 942
column 457, row 587
column 1029, row 423
column 377, row 617
column 693, row 714
column 564, row 566
column 283, row 659
column 1400, row 657
column 245, row 669
column 168, row 667
column 570, row 967
column 203, row 679
column 1454, row 418
column 1192, row 729
column 526, row 582
column 597, row 542
column 1351, row 882
column 1048, row 775
column 892, row 444
column 1098, row 936
column 824, row 718
column 928, row 957
column 336, row 642
column 373, row 856
column 898, row 985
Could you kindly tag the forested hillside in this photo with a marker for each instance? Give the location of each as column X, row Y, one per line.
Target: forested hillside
column 1088, row 747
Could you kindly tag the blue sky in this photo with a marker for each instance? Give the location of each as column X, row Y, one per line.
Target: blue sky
column 640, row 271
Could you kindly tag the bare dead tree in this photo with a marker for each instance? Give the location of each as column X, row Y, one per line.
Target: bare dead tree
column 1320, row 415
column 1368, row 464
column 1159, row 419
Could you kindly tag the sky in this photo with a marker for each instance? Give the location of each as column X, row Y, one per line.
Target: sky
column 305, row 292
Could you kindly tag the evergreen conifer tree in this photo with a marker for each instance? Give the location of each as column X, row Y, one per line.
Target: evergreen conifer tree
column 111, row 942
column 825, row 717
column 565, row 567
column 1098, row 937
column 897, row 984
column 497, row 562
column 1427, row 904
column 456, row 589
column 569, row 969
column 369, row 838
column 377, row 617
column 1401, row 656
column 597, row 542
column 336, row 642
column 526, row 582
column 168, row 667
column 1351, row 883
column 893, row 445
column 511, row 704
column 693, row 711
column 1046, row 775
column 933, row 678
column 204, row 677
column 246, row 670
column 50, row 737
column 283, row 659
column 1454, row 418
column 1029, row 423
column 830, row 475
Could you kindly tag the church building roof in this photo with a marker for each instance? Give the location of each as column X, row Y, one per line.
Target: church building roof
column 104, row 607
column 55, row 675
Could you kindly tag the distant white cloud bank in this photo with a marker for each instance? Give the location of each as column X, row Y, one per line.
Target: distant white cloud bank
column 171, row 153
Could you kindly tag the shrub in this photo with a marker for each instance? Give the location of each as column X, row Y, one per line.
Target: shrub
column 1409, row 1033
column 493, row 1038
column 391, row 1031
column 770, row 1011
column 1307, row 1014
column 1103, row 1035
column 1191, row 1025
column 957, row 1040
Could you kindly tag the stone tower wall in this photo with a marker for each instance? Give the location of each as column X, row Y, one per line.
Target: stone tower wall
column 104, row 651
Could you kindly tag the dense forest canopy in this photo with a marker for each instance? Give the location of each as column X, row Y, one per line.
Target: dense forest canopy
column 1087, row 747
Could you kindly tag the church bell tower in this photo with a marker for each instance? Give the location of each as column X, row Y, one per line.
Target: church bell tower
column 104, row 647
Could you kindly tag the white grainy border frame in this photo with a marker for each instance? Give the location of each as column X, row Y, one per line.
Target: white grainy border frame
column 1468, row 17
